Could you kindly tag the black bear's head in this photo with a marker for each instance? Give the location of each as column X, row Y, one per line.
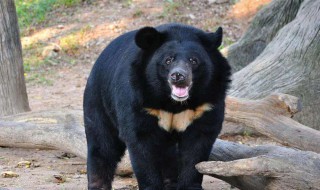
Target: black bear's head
column 183, row 62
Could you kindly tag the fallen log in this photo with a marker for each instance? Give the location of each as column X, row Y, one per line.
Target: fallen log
column 63, row 129
column 55, row 129
column 59, row 129
column 271, row 116
column 263, row 167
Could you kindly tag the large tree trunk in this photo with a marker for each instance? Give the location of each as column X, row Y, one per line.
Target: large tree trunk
column 289, row 64
column 13, row 94
column 265, row 25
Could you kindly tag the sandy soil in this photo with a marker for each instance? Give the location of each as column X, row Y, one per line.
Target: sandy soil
column 46, row 164
column 97, row 24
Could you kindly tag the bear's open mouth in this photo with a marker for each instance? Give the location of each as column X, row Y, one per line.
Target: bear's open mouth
column 180, row 93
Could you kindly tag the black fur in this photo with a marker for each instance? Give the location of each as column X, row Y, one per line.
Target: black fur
column 131, row 75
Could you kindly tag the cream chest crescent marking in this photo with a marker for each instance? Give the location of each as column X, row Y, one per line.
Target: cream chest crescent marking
column 179, row 121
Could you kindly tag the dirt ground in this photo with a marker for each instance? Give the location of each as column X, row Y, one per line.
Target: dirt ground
column 94, row 25
column 46, row 164
column 56, row 170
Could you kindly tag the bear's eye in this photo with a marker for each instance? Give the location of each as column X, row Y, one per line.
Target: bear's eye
column 169, row 60
column 193, row 60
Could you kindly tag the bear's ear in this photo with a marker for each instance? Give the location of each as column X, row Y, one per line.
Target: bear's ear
column 218, row 37
column 214, row 39
column 148, row 38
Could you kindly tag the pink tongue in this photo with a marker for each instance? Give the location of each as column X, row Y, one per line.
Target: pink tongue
column 180, row 92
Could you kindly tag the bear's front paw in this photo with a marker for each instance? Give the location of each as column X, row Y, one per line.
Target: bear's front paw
column 171, row 186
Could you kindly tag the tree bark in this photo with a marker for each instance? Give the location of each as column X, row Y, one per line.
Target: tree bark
column 263, row 167
column 271, row 116
column 289, row 64
column 263, row 28
column 13, row 94
column 60, row 129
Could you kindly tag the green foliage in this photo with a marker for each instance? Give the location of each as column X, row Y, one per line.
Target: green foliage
column 127, row 3
column 35, row 59
column 34, row 64
column 137, row 13
column 171, row 8
column 32, row 58
column 172, row 11
column 71, row 43
column 33, row 12
column 226, row 42
column 67, row 3
column 38, row 78
column 247, row 133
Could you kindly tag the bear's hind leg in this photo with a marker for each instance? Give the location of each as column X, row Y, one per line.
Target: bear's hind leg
column 105, row 150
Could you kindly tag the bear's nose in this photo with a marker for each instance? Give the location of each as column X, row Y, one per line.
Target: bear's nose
column 177, row 77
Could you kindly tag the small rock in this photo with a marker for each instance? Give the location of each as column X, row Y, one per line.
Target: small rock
column 57, row 178
column 77, row 177
column 124, row 168
column 100, row 41
column 60, row 26
column 218, row 1
column 22, row 164
column 51, row 51
column 66, row 156
column 83, row 171
column 112, row 27
column 90, row 43
column 56, row 48
column 9, row 174
column 192, row 16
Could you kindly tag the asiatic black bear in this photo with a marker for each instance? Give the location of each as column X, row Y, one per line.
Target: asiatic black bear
column 160, row 92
